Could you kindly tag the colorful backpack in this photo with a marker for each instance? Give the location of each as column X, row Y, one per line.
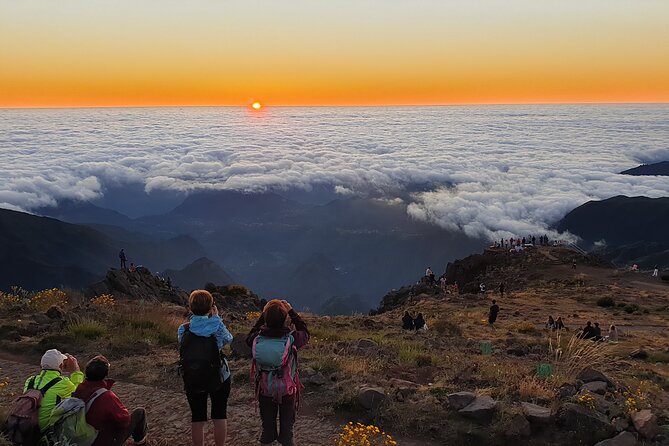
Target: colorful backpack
column 200, row 362
column 274, row 367
column 68, row 424
column 23, row 421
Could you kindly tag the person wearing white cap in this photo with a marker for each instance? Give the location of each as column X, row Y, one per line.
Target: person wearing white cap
column 58, row 387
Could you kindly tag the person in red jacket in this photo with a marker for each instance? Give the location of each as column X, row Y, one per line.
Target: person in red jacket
column 107, row 414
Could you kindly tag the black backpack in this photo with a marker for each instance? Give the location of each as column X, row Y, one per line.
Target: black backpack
column 199, row 362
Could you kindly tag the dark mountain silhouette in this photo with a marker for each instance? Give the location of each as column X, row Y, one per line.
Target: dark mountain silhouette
column 198, row 274
column 278, row 246
column 81, row 212
column 625, row 229
column 661, row 169
column 39, row 252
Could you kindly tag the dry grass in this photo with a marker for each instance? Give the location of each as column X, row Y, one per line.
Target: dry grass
column 571, row 357
column 534, row 390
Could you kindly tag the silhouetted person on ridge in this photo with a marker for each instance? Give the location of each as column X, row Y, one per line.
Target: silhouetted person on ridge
column 121, row 256
column 492, row 314
column 407, row 321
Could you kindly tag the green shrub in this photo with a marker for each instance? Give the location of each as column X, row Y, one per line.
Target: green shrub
column 87, row 329
column 631, row 308
column 606, row 301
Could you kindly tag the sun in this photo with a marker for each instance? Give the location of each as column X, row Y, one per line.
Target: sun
column 256, row 105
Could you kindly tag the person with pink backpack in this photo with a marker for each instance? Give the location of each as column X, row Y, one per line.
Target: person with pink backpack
column 275, row 339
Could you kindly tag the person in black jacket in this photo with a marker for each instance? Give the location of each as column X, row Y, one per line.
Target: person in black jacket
column 407, row 321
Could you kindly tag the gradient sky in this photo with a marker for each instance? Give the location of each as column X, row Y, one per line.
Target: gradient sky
column 331, row 52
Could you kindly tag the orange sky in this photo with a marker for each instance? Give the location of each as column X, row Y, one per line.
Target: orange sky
column 337, row 52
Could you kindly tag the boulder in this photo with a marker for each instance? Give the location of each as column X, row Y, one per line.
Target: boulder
column 621, row 424
column 588, row 375
column 481, row 409
column 403, row 389
column 239, row 347
column 460, row 400
column 41, row 319
column 55, row 313
column 645, row 423
column 317, row 379
column 566, row 391
column 639, row 354
column 371, row 397
column 596, row 387
column 517, row 427
column 537, row 414
column 589, row 426
column 622, row 439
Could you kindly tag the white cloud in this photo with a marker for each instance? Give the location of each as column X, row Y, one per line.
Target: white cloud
column 490, row 171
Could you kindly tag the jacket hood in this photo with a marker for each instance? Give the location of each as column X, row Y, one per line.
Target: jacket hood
column 204, row 325
column 88, row 388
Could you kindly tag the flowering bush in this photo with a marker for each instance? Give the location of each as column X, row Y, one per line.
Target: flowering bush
column 8, row 301
column 43, row 300
column 586, row 400
column 253, row 315
column 361, row 435
column 104, row 301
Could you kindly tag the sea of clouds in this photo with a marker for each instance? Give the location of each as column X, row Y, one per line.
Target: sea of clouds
column 490, row 171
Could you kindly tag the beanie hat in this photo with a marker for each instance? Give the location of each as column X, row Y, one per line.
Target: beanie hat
column 52, row 360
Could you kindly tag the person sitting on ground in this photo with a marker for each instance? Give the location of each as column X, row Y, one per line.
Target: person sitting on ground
column 278, row 386
column 597, row 332
column 419, row 323
column 200, row 342
column 588, row 331
column 551, row 323
column 559, row 325
column 132, row 268
column 58, row 387
column 407, row 321
column 613, row 334
column 107, row 414
column 492, row 314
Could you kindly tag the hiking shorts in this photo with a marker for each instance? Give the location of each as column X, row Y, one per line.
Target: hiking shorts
column 219, row 403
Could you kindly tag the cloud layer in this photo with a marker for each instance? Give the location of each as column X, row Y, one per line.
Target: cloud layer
column 490, row 171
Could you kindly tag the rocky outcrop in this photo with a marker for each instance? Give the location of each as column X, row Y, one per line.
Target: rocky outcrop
column 590, row 426
column 371, row 397
column 481, row 409
column 536, row 414
column 622, row 439
column 460, row 400
column 136, row 285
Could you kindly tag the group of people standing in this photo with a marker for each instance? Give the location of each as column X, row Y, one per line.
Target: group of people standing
column 410, row 323
column 275, row 339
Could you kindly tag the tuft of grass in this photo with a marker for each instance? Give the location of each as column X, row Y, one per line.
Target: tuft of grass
column 573, row 356
column 87, row 329
column 525, row 327
column 446, row 328
column 631, row 308
column 606, row 301
column 533, row 390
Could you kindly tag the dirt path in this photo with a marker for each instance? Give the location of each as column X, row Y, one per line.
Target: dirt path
column 169, row 417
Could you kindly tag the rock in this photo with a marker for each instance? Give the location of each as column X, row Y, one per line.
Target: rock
column 621, row 424
column 481, row 409
column 460, row 400
column 645, row 423
column 517, row 350
column 566, row 391
column 537, row 414
column 316, row 379
column 588, row 375
column 55, row 313
column 639, row 354
column 366, row 344
column 307, row 371
column 239, row 347
column 41, row 319
column 596, row 387
column 589, row 426
column 517, row 427
column 371, row 397
column 622, row 439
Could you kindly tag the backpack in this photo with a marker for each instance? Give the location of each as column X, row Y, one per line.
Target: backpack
column 274, row 367
column 199, row 362
column 67, row 424
column 23, row 421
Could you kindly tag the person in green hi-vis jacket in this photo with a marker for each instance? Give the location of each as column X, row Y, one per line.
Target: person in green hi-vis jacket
column 54, row 364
